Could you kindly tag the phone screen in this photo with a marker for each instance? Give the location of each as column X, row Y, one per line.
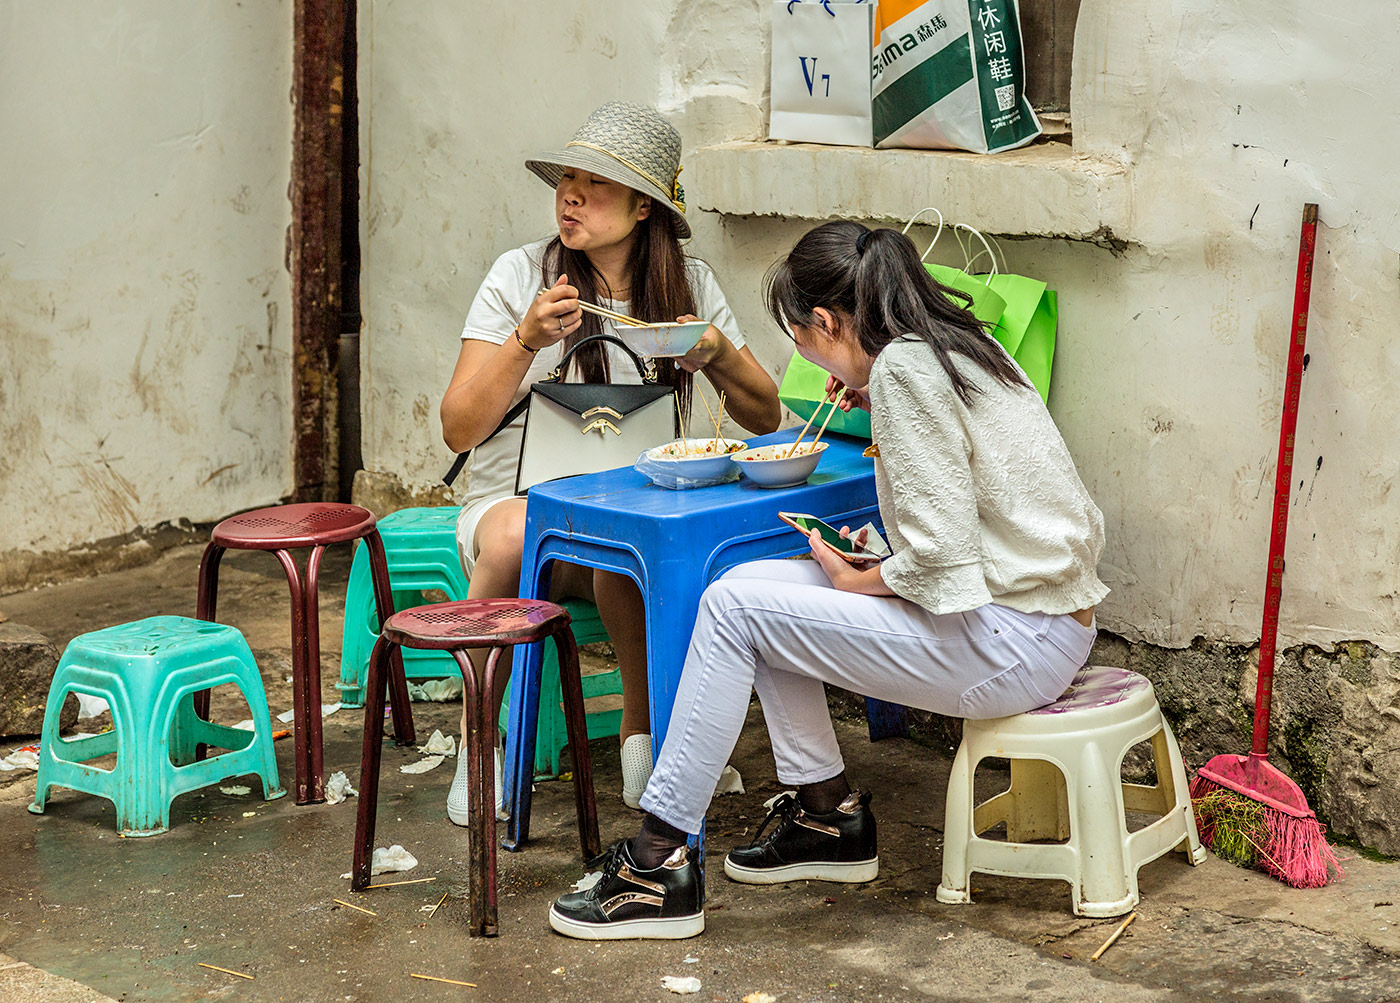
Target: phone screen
column 829, row 535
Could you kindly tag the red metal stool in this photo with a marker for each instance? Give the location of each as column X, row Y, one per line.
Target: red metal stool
column 456, row 627
column 282, row 529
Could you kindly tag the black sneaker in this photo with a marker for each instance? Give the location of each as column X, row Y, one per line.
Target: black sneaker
column 627, row 902
column 836, row 846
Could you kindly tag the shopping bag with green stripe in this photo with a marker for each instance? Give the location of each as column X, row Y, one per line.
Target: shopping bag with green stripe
column 950, row 74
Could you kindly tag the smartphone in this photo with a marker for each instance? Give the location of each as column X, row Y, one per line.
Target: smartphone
column 845, row 547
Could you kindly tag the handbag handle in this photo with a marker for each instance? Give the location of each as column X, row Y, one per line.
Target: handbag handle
column 646, row 371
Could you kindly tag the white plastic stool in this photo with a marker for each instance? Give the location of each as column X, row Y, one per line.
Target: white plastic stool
column 1066, row 784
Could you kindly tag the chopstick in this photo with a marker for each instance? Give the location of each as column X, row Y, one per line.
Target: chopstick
column 815, row 412
column 826, row 422
column 621, row 318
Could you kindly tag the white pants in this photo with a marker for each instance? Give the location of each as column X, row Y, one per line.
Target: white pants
column 778, row 627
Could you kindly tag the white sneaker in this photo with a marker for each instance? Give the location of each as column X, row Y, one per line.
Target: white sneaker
column 457, row 793
column 636, row 769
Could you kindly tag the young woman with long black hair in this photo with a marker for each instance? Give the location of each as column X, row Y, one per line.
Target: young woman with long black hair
column 621, row 217
column 985, row 608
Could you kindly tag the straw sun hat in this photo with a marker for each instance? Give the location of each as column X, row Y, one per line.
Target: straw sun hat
column 627, row 143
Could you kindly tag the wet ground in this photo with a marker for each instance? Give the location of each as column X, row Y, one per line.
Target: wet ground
column 248, row 885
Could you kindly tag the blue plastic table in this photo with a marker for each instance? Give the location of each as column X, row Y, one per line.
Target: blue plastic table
column 672, row 544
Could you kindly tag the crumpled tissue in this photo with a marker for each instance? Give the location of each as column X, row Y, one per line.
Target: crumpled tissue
column 338, row 788
column 393, row 858
column 435, row 690
column 730, row 782
column 24, row 758
column 439, row 745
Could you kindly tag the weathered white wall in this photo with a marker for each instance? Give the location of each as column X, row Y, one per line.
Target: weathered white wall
column 1169, row 371
column 144, row 303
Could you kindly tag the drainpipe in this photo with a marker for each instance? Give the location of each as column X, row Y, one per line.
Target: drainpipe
column 313, row 247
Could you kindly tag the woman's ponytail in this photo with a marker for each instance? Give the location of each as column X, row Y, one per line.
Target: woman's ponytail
column 875, row 278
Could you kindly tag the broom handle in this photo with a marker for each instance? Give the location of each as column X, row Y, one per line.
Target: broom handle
column 1273, row 587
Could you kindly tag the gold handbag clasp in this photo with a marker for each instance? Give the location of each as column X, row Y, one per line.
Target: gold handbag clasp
column 601, row 409
column 600, row 425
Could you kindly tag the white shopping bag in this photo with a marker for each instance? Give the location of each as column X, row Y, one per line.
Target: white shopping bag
column 821, row 71
column 950, row 74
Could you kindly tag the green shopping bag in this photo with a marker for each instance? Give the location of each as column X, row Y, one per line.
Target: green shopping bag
column 1025, row 314
column 804, row 389
column 1027, row 327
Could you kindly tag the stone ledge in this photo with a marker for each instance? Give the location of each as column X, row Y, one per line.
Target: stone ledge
column 1040, row 190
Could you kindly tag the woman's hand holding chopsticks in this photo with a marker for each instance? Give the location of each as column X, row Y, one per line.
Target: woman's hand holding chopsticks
column 850, row 397
column 553, row 314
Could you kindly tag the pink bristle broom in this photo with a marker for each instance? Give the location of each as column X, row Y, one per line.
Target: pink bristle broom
column 1248, row 810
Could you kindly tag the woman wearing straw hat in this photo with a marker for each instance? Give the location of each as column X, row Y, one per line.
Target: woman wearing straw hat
column 621, row 217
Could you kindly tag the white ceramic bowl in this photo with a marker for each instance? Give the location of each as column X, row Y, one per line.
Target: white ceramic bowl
column 697, row 459
column 663, row 341
column 767, row 467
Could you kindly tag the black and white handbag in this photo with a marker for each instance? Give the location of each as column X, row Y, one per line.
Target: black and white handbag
column 581, row 428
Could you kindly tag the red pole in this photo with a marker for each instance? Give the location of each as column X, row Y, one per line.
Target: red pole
column 1273, row 587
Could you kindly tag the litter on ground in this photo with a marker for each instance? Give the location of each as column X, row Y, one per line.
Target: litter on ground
column 684, row 986
column 439, row 744
column 338, row 788
column 422, row 766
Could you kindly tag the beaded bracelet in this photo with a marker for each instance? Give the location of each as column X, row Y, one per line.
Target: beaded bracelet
column 521, row 341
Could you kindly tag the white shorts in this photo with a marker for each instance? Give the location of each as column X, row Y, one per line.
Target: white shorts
column 467, row 521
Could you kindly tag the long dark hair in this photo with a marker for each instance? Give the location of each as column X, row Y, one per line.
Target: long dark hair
column 875, row 278
column 660, row 292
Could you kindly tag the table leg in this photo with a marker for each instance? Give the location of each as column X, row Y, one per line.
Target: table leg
column 886, row 720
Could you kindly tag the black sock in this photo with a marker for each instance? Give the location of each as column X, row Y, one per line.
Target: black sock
column 657, row 841
column 825, row 795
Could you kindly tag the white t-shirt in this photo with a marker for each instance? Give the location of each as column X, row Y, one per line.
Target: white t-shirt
column 500, row 304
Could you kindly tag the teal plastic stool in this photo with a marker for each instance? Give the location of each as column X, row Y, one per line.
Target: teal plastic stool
column 551, row 735
column 420, row 545
column 148, row 672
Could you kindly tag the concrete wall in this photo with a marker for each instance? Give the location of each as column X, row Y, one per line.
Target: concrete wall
column 144, row 303
column 1168, row 384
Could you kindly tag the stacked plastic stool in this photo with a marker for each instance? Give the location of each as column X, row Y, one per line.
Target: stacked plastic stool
column 148, row 672
column 420, row 547
column 1066, row 786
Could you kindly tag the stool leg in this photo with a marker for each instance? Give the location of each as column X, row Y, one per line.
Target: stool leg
column 486, row 778
column 957, row 830
column 478, row 879
column 1105, row 888
column 206, row 603
column 1169, row 764
column 300, row 725
column 384, row 606
column 369, row 766
column 314, row 747
column 576, row 721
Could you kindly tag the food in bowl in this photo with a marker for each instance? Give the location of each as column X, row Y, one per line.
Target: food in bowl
column 691, row 460
column 771, row 467
column 686, row 449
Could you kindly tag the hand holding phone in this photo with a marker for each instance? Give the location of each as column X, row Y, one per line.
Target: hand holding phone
column 846, row 547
